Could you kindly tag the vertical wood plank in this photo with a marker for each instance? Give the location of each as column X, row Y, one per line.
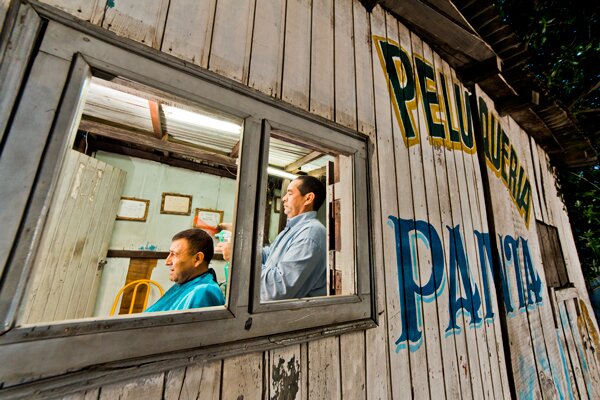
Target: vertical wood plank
column 303, row 371
column 460, row 213
column 436, row 186
column 232, row 39
column 546, row 183
column 188, row 30
column 495, row 341
column 572, row 318
column 352, row 357
column 243, row 376
column 88, row 10
column 377, row 371
column 431, row 335
column 142, row 24
column 266, row 63
column 344, row 73
column 201, row 381
column 322, row 60
column 324, row 369
column 509, row 223
column 545, row 317
column 365, row 107
column 399, row 361
column 376, row 340
column 296, row 65
column 147, row 388
column 538, row 181
column 284, row 378
column 572, row 352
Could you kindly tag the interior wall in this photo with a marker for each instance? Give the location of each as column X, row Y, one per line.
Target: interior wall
column 148, row 180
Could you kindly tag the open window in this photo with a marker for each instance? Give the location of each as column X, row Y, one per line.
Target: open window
column 136, row 147
column 141, row 166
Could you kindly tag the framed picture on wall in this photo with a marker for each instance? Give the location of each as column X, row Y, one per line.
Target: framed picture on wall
column 176, row 203
column 208, row 220
column 132, row 209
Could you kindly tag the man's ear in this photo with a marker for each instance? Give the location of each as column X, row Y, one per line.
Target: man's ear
column 198, row 259
column 310, row 199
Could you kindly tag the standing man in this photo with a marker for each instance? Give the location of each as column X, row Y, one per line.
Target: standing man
column 295, row 265
column 195, row 283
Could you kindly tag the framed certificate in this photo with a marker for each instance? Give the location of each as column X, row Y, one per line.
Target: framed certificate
column 175, row 203
column 208, row 220
column 132, row 209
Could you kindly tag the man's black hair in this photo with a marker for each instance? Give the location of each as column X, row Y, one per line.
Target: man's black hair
column 310, row 184
column 198, row 240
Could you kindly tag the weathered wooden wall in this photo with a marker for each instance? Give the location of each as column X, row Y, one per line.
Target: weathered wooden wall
column 439, row 334
column 547, row 347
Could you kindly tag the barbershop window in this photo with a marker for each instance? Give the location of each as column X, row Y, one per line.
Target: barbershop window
column 145, row 165
column 289, row 159
column 141, row 147
column 158, row 163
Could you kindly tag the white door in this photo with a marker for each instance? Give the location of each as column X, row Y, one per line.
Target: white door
column 75, row 241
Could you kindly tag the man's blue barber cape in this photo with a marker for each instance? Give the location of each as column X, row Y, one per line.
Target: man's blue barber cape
column 202, row 291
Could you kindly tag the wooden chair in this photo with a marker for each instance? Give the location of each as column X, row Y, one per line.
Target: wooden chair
column 140, row 282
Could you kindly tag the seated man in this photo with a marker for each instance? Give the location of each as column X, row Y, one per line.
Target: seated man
column 195, row 283
column 295, row 265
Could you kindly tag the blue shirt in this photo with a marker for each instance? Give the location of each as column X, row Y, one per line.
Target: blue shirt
column 295, row 265
column 202, row 291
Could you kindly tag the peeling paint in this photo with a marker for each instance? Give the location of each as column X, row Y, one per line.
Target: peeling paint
column 285, row 379
column 110, row 4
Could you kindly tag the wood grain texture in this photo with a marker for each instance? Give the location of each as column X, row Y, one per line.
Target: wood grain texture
column 345, row 72
column 322, row 68
column 266, row 62
column 399, row 362
column 147, row 388
column 285, row 371
column 91, row 11
column 296, row 65
column 352, row 359
column 243, row 377
column 324, row 369
column 232, row 39
column 143, row 24
column 200, row 381
column 365, row 106
column 188, row 30
column 417, row 156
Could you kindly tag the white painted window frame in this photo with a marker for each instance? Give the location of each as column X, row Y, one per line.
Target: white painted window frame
column 78, row 48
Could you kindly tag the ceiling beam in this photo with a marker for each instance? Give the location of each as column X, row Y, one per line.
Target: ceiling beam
column 292, row 167
column 155, row 117
column 128, row 136
column 235, row 151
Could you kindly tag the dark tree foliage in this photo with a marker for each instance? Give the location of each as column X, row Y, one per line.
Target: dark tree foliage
column 563, row 39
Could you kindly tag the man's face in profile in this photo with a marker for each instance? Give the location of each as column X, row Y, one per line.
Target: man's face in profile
column 180, row 262
column 294, row 202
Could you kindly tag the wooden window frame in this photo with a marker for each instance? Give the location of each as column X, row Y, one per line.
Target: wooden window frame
column 245, row 325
